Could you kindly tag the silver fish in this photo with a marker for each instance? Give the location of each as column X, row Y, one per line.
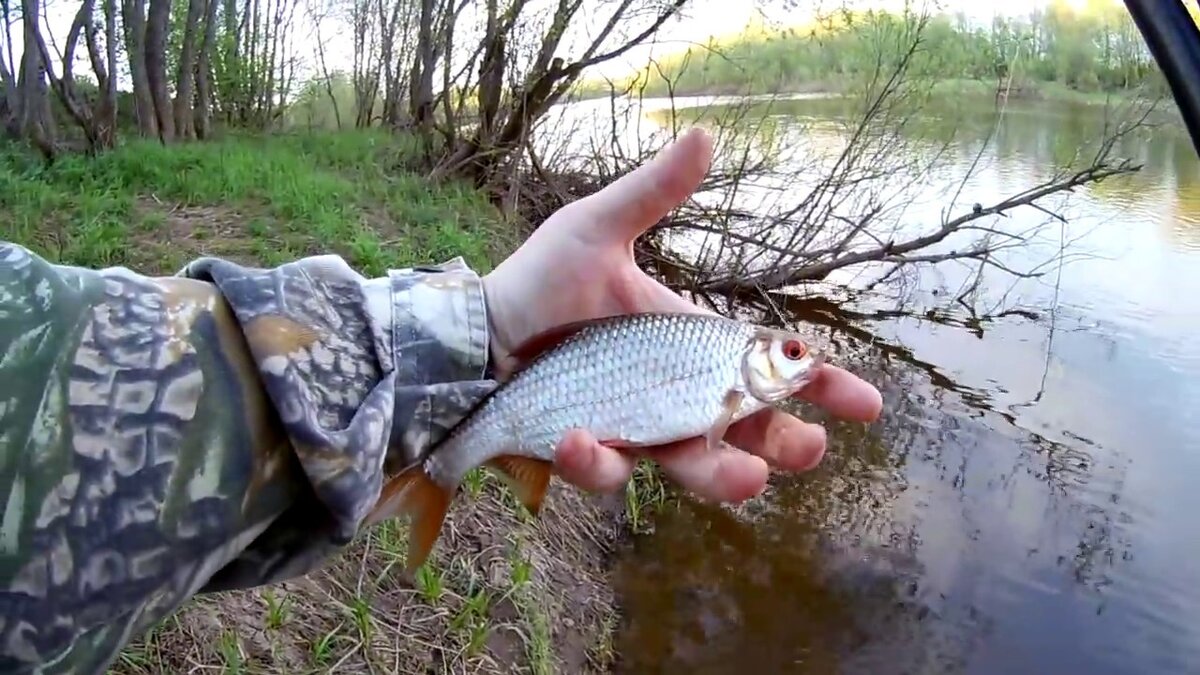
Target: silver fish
column 631, row 380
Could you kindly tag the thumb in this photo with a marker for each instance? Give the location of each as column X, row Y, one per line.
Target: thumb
column 630, row 205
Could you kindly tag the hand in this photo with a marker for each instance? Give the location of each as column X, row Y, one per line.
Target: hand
column 579, row 265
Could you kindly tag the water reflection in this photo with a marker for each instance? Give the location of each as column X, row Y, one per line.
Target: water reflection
column 941, row 536
column 1024, row 505
column 1182, row 217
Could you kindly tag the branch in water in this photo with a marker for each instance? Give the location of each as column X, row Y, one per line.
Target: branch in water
column 763, row 221
column 788, row 274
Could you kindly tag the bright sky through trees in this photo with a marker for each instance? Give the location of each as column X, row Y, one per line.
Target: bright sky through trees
column 701, row 20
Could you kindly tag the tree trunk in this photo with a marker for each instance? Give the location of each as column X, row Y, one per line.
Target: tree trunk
column 491, row 73
column 387, row 63
column 65, row 86
column 134, row 18
column 204, row 98
column 250, row 62
column 34, row 120
column 156, row 67
column 104, row 117
column 185, row 121
column 8, row 99
column 232, row 68
column 421, row 101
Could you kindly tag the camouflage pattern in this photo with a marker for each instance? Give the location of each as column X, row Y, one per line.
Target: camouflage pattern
column 222, row 428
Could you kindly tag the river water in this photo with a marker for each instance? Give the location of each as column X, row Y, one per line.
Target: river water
column 1028, row 501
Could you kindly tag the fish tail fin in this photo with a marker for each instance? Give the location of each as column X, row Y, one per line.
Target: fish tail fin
column 413, row 493
column 528, row 478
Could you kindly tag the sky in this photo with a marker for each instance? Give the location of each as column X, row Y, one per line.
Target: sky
column 708, row 18
column 702, row 19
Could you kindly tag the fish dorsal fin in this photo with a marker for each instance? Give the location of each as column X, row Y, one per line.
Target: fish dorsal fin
column 540, row 343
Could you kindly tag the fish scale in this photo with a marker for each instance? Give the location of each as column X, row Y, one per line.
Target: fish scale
column 643, row 380
column 630, row 380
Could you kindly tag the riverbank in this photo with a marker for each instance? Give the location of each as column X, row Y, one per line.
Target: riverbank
column 1053, row 92
column 503, row 591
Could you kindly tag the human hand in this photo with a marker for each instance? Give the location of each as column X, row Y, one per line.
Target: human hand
column 579, row 265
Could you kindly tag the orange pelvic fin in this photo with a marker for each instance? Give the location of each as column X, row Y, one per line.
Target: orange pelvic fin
column 528, row 478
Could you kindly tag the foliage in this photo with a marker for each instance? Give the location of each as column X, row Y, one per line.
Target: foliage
column 804, row 200
column 1095, row 49
column 470, row 78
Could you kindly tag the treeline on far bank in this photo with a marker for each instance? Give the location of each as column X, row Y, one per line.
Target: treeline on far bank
column 1090, row 49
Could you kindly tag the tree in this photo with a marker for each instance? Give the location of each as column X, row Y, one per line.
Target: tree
column 851, row 214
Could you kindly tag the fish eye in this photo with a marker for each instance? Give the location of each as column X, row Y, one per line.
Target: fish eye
column 794, row 350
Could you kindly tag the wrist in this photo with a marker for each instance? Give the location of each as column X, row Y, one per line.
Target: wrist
column 495, row 337
column 502, row 317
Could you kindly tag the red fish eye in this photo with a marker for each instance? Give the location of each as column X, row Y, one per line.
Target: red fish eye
column 794, row 350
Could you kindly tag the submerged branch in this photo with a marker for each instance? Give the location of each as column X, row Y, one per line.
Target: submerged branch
column 801, row 268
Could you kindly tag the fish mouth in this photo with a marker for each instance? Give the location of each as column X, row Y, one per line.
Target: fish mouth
column 810, row 372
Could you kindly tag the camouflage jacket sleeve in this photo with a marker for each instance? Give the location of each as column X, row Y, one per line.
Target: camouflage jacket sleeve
column 221, row 428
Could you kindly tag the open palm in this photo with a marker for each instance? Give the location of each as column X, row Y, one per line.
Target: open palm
column 579, row 265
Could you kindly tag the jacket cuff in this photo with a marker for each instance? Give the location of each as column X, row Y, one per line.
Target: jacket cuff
column 364, row 373
column 439, row 324
column 439, row 345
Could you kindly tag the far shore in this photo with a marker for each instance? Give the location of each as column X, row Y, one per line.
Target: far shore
column 658, row 97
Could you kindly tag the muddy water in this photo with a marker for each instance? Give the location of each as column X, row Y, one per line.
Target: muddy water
column 1030, row 499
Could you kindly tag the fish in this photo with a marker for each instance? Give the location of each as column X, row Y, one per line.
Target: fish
column 631, row 380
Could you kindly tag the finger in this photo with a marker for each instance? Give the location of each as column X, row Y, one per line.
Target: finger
column 653, row 294
column 582, row 461
column 843, row 394
column 631, row 204
column 784, row 441
column 724, row 475
column 639, row 292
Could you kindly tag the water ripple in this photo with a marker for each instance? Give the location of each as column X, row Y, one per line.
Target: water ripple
column 1025, row 504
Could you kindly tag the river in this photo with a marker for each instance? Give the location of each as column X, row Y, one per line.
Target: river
column 1027, row 501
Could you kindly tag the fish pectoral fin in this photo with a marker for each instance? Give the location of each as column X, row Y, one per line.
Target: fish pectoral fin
column 528, row 478
column 412, row 493
column 733, row 401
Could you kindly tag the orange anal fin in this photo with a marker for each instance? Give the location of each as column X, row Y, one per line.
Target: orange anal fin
column 729, row 407
column 412, row 493
column 528, row 478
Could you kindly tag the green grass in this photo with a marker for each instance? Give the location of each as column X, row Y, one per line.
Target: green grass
column 503, row 591
column 644, row 495
column 265, row 199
